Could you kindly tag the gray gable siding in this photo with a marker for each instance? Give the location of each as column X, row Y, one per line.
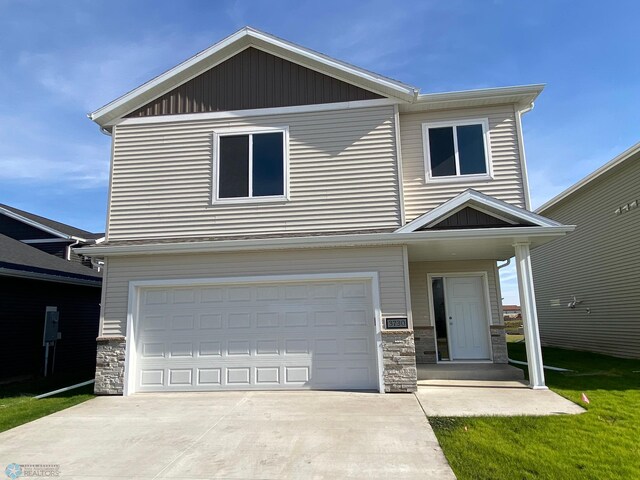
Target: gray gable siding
column 253, row 79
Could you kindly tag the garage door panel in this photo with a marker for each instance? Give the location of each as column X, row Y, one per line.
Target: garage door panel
column 271, row 336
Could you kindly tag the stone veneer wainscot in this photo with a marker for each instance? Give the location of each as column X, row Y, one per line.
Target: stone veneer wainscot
column 399, row 361
column 110, row 366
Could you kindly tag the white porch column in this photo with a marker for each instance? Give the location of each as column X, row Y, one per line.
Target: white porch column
column 529, row 315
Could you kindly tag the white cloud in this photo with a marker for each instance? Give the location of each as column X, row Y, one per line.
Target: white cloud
column 82, row 166
column 93, row 74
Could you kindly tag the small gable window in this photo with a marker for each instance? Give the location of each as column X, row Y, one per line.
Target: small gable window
column 251, row 165
column 456, row 149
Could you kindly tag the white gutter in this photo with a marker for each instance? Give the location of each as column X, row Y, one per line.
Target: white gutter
column 370, row 239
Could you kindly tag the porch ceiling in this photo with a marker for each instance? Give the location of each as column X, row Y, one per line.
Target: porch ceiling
column 477, row 244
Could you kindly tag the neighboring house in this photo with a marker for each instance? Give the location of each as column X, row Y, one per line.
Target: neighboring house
column 511, row 311
column 31, row 282
column 279, row 219
column 588, row 284
column 51, row 237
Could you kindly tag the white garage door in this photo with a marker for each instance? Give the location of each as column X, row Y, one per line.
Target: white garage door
column 303, row 335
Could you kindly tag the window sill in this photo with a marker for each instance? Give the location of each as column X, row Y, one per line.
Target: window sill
column 249, row 201
column 459, row 179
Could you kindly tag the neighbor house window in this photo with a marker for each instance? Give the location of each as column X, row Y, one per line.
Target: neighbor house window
column 251, row 165
column 454, row 150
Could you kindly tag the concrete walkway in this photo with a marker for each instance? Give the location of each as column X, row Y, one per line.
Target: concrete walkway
column 234, row 435
column 464, row 398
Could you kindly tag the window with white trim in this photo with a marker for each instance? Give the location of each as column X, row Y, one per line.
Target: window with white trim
column 251, row 165
column 456, row 150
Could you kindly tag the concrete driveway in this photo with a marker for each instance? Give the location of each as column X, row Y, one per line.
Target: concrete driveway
column 234, row 435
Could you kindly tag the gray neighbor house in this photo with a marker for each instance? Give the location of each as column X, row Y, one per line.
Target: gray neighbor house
column 588, row 283
column 279, row 219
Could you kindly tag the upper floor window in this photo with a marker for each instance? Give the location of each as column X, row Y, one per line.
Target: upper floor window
column 251, row 165
column 457, row 150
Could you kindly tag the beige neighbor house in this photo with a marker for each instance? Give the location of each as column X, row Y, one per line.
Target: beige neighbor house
column 588, row 284
column 279, row 219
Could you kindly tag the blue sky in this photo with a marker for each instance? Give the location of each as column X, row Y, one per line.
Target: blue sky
column 63, row 59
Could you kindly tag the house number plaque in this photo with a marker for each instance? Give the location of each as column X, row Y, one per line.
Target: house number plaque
column 396, row 323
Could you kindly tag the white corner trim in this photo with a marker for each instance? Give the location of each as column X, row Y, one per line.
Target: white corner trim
column 256, row 112
column 133, row 306
column 624, row 156
column 396, row 123
column 523, row 155
column 471, row 197
column 458, row 177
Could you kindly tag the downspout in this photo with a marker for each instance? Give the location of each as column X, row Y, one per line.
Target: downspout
column 523, row 157
column 507, row 263
column 69, row 247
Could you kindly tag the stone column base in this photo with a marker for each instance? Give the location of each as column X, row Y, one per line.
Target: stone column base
column 425, row 344
column 499, row 344
column 110, row 365
column 399, row 362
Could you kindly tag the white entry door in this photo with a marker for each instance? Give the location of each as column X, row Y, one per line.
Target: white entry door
column 302, row 335
column 467, row 318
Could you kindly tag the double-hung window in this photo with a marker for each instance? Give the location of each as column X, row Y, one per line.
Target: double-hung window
column 251, row 165
column 457, row 150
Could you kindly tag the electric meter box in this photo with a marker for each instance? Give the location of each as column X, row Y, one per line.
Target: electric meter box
column 51, row 321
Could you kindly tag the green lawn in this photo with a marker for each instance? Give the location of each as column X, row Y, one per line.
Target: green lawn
column 603, row 443
column 17, row 405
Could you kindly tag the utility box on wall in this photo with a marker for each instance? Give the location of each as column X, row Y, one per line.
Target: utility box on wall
column 51, row 322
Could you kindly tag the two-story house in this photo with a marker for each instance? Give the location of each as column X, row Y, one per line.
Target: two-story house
column 279, row 219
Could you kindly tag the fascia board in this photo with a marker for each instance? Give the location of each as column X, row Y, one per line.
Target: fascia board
column 362, row 240
column 37, row 225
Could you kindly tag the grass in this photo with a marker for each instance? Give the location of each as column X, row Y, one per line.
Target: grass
column 514, row 338
column 603, row 443
column 17, row 405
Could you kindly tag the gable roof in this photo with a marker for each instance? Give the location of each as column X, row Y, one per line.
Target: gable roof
column 21, row 259
column 235, row 43
column 629, row 155
column 484, row 203
column 57, row 229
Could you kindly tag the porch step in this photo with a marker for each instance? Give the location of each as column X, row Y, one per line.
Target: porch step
column 469, row 371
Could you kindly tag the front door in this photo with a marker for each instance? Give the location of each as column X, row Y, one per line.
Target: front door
column 467, row 318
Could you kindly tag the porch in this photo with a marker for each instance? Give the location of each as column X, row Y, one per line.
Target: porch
column 452, row 260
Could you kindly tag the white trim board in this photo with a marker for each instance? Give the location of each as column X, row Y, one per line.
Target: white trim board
column 472, row 197
column 257, row 112
column 133, row 306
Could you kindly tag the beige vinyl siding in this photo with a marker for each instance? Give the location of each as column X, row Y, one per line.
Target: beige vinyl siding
column 420, row 293
column 343, row 176
column 388, row 262
column 507, row 184
column 599, row 263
